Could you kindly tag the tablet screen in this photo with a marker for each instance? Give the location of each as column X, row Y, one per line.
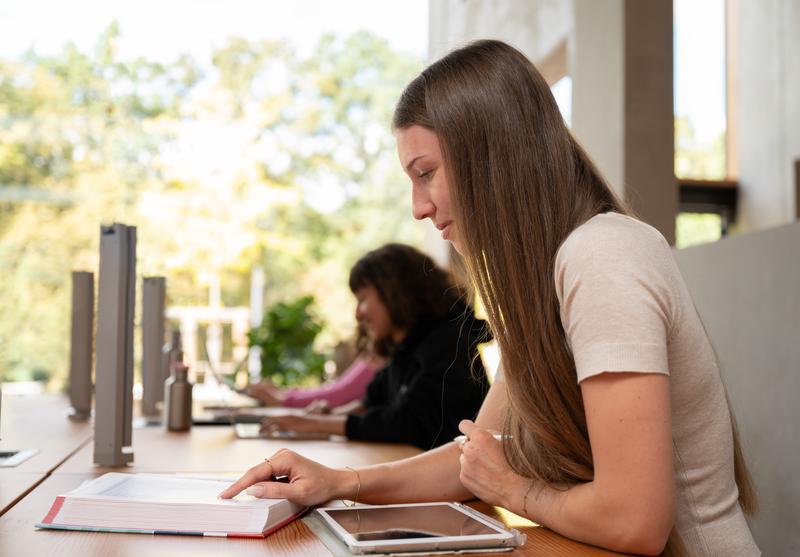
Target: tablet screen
column 396, row 523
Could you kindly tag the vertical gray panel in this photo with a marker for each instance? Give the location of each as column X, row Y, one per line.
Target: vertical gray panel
column 114, row 351
column 130, row 307
column 81, row 344
column 747, row 290
column 153, row 301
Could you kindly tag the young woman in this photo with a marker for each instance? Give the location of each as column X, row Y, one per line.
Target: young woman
column 619, row 431
column 414, row 314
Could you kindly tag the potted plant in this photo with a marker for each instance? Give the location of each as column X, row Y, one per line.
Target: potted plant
column 286, row 338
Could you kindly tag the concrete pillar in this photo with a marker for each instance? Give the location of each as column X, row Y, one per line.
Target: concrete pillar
column 620, row 60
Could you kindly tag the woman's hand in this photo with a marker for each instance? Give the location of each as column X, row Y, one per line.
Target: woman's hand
column 485, row 471
column 319, row 406
column 333, row 425
column 265, row 392
column 310, row 483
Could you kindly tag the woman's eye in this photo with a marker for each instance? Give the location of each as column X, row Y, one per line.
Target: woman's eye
column 425, row 175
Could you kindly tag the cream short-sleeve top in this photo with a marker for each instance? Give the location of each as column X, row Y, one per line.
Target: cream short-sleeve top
column 625, row 308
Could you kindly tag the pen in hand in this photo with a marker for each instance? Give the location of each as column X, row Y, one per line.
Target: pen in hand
column 463, row 438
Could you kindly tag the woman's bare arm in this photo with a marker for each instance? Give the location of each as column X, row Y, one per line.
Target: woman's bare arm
column 629, row 506
column 430, row 476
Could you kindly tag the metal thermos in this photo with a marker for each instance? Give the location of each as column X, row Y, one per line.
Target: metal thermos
column 170, row 353
column 178, row 397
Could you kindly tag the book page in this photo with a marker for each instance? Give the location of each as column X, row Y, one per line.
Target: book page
column 156, row 488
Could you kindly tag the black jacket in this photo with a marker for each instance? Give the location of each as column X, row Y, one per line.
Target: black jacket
column 434, row 380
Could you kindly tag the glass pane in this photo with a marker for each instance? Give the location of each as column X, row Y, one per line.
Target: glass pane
column 697, row 228
column 700, row 97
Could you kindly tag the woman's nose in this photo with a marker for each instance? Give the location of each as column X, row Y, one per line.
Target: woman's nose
column 421, row 205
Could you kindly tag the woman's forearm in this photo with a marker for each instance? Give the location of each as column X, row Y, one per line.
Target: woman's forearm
column 629, row 505
column 584, row 513
column 430, row 476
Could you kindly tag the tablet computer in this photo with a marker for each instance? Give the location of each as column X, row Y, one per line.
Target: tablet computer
column 417, row 527
column 253, row 431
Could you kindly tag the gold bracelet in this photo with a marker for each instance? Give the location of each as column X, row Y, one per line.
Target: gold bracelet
column 525, row 500
column 358, row 489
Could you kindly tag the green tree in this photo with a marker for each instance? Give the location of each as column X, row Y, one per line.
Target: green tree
column 91, row 138
column 703, row 160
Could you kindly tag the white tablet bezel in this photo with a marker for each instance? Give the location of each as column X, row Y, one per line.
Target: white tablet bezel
column 502, row 538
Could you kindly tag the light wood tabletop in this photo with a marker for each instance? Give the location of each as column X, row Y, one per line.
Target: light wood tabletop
column 215, row 449
column 40, row 422
column 16, row 485
column 36, row 422
column 18, row 535
column 67, row 460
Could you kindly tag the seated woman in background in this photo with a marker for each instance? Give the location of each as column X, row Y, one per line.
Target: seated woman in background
column 413, row 311
column 347, row 390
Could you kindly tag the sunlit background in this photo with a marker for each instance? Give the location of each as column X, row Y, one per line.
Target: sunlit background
column 247, row 141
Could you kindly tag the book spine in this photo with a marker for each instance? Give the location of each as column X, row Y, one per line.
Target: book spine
column 74, row 528
column 285, row 522
column 51, row 515
column 180, row 533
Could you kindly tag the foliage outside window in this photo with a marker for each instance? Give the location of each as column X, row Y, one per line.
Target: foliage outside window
column 263, row 157
column 697, row 228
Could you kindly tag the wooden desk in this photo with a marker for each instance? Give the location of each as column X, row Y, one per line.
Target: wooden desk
column 37, row 422
column 40, row 422
column 16, row 485
column 19, row 537
column 211, row 450
column 216, row 450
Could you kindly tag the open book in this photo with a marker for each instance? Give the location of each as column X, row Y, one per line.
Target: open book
column 154, row 504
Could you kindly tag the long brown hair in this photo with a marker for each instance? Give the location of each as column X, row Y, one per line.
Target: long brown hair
column 523, row 183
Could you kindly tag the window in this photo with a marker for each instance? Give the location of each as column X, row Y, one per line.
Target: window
column 708, row 197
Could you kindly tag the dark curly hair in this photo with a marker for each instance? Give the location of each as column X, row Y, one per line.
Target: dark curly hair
column 411, row 286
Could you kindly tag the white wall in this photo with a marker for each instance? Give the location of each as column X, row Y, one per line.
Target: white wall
column 534, row 27
column 747, row 291
column 767, row 110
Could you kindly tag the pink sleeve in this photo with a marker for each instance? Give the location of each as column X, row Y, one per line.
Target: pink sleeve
column 352, row 385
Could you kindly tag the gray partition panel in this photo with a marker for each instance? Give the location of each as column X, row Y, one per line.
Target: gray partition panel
column 747, row 290
column 114, row 352
column 153, row 301
column 81, row 345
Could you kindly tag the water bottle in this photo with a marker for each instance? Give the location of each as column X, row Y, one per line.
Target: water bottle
column 178, row 397
column 170, row 353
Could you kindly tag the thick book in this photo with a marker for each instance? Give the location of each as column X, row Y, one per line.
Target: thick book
column 156, row 504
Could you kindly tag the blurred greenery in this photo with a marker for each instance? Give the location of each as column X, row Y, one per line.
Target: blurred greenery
column 697, row 228
column 702, row 161
column 694, row 158
column 286, row 339
column 264, row 158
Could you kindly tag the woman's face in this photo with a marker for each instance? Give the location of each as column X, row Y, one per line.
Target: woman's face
column 421, row 156
column 373, row 314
